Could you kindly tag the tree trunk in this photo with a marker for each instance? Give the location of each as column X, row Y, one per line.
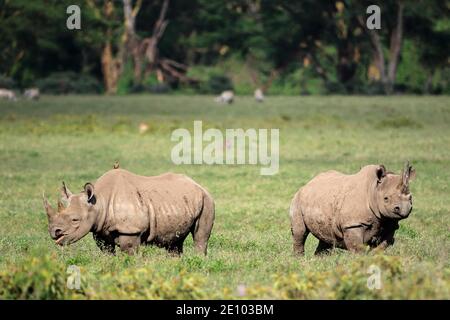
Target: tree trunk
column 395, row 46
column 109, row 69
column 111, row 65
column 378, row 58
column 130, row 39
column 346, row 66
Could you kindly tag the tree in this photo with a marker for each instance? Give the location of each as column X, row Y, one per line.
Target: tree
column 427, row 25
column 34, row 40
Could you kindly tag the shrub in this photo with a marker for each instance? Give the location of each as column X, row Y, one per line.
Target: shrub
column 35, row 278
column 218, row 83
column 150, row 88
column 6, row 82
column 68, row 82
column 146, row 284
column 350, row 282
column 46, row 278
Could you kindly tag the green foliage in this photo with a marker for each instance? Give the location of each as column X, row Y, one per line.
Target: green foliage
column 45, row 278
column 7, row 83
column 125, row 83
column 217, row 84
column 34, row 278
column 261, row 36
column 411, row 74
column 144, row 283
column 351, row 282
column 68, row 82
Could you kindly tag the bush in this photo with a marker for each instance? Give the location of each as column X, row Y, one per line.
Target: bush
column 152, row 88
column 218, row 83
column 46, row 278
column 6, row 82
column 146, row 284
column 351, row 282
column 68, row 82
column 35, row 278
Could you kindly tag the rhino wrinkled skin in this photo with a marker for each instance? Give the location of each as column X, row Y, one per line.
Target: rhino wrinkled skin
column 128, row 210
column 351, row 211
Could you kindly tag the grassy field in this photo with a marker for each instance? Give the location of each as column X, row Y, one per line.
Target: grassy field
column 78, row 138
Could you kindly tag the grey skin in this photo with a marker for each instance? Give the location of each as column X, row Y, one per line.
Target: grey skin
column 351, row 211
column 126, row 210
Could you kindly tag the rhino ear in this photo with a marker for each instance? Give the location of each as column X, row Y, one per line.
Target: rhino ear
column 65, row 192
column 48, row 208
column 381, row 172
column 89, row 190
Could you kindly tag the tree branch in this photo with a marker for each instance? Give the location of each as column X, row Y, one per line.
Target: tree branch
column 161, row 24
column 136, row 8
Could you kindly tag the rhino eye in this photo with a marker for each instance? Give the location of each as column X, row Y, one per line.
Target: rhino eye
column 75, row 220
column 386, row 199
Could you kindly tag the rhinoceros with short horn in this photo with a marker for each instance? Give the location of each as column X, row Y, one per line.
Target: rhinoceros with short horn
column 351, row 211
column 125, row 209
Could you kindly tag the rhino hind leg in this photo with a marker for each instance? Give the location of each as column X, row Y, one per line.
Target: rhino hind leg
column 202, row 228
column 299, row 229
column 323, row 248
column 299, row 235
column 129, row 243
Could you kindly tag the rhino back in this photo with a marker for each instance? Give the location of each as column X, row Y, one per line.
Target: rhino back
column 164, row 205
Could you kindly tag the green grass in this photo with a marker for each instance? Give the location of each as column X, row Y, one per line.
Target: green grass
column 76, row 139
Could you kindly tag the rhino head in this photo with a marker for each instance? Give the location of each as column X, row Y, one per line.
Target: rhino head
column 74, row 217
column 393, row 197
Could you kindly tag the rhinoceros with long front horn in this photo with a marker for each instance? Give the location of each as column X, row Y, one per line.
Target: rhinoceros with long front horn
column 126, row 210
column 351, row 211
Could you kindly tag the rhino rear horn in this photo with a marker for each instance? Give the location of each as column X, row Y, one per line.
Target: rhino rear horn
column 48, row 208
column 65, row 192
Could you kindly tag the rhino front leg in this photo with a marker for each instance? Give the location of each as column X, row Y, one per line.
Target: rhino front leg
column 386, row 243
column 176, row 248
column 354, row 239
column 322, row 248
column 104, row 244
column 129, row 243
column 387, row 238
